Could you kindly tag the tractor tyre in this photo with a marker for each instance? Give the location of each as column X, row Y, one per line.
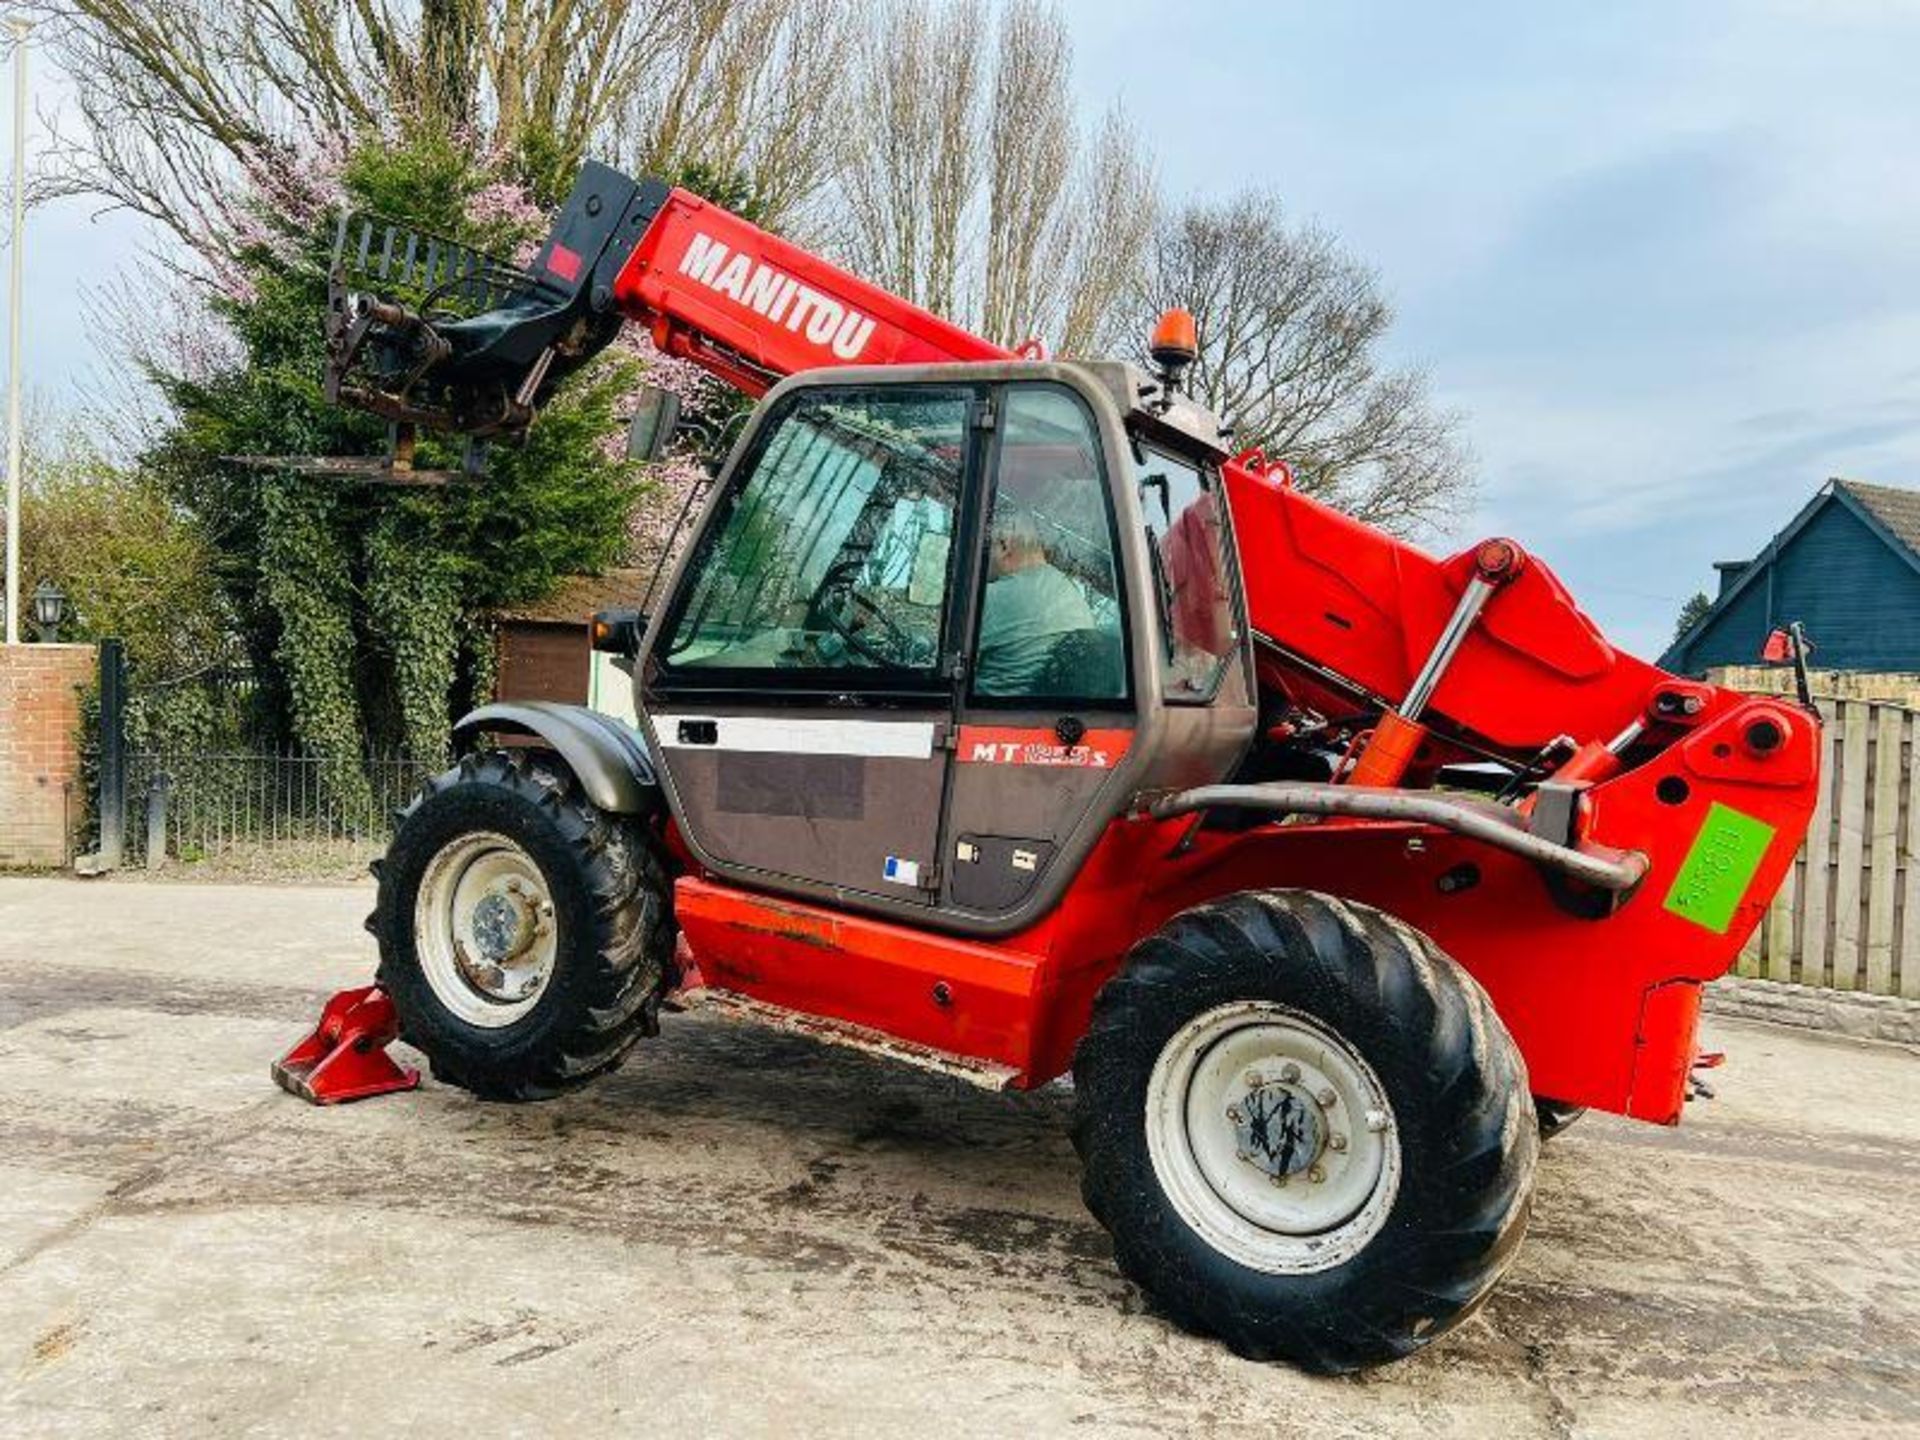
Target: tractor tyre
column 525, row 936
column 1305, row 1128
column 1555, row 1116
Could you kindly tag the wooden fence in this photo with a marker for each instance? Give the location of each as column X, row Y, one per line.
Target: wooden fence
column 1849, row 915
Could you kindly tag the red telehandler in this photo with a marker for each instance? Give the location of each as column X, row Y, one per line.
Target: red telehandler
column 997, row 717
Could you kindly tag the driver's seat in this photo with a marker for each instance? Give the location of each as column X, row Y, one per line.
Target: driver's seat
column 1084, row 665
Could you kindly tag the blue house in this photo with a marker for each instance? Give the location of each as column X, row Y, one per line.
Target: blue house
column 1847, row 567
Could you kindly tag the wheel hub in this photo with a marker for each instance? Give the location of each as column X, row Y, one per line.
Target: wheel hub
column 1279, row 1128
column 1272, row 1137
column 503, row 926
column 485, row 929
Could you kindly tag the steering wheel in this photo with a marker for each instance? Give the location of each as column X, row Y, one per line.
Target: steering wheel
column 841, row 618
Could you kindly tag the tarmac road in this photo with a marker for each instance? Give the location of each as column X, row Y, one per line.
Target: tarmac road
column 745, row 1233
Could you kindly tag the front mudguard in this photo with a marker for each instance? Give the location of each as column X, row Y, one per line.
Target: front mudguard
column 609, row 759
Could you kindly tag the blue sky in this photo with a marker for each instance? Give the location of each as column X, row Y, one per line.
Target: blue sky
column 1662, row 255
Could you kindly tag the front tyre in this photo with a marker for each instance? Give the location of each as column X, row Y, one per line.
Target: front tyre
column 524, row 935
column 1306, row 1129
column 1555, row 1115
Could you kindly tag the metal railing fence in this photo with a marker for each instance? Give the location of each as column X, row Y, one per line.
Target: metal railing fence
column 194, row 807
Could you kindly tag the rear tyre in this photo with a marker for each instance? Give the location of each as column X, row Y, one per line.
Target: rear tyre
column 525, row 936
column 1305, row 1128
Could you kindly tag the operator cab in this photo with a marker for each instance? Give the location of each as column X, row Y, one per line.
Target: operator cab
column 938, row 626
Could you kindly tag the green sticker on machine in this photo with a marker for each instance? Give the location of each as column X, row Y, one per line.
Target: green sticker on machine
column 1719, row 867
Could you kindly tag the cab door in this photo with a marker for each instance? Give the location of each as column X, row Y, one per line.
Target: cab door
column 796, row 688
column 1047, row 716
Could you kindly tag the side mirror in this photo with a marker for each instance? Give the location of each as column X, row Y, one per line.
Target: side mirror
column 617, row 632
column 655, row 418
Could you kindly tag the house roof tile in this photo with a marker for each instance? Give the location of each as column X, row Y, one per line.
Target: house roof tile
column 1897, row 509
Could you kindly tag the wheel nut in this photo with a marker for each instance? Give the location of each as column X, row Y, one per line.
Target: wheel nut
column 1336, row 1142
column 1280, row 1182
column 1326, row 1097
column 1316, row 1174
column 1376, row 1120
column 1255, row 1079
column 1233, row 1113
column 1290, row 1073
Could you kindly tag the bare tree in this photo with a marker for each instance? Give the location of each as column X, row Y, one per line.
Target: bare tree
column 1030, row 148
column 1290, row 328
column 912, row 169
column 739, row 89
column 1106, row 247
column 947, row 145
column 179, row 102
column 967, row 185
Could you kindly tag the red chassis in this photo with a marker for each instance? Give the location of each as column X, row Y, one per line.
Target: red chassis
column 1603, row 1009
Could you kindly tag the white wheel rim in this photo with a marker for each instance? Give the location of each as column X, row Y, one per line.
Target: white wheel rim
column 484, row 929
column 1272, row 1138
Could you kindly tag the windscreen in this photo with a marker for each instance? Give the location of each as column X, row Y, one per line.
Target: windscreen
column 834, row 549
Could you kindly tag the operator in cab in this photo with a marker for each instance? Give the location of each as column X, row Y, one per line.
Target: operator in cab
column 1029, row 606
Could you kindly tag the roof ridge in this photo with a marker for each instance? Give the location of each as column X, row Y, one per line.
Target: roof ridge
column 1847, row 482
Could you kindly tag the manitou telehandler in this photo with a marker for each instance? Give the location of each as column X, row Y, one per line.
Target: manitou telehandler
column 997, row 717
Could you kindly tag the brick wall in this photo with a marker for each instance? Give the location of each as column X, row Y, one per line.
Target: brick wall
column 40, row 689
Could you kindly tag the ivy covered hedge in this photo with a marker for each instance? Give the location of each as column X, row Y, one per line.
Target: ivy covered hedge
column 362, row 608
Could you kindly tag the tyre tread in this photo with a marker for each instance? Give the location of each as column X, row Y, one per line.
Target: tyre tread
column 628, row 920
column 1469, row 1125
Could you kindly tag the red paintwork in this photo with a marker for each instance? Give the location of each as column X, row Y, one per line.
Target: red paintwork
column 345, row 1058
column 866, row 972
column 1368, row 607
column 1392, row 746
column 718, row 329
column 1602, row 1009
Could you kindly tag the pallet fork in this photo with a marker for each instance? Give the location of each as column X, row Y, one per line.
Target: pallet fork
column 345, row 1058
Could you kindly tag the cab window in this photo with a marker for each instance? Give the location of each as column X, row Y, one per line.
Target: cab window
column 1186, row 542
column 1050, row 615
column 834, row 552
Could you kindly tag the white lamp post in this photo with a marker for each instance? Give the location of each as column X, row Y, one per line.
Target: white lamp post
column 19, row 27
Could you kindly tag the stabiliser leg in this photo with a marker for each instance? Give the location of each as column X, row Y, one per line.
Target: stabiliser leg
column 345, row 1058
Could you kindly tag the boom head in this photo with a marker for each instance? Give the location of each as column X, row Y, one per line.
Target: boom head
column 426, row 332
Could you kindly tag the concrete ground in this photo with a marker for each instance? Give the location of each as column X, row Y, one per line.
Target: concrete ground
column 744, row 1233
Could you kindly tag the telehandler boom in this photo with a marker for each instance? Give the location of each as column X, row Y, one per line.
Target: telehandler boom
column 1000, row 718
